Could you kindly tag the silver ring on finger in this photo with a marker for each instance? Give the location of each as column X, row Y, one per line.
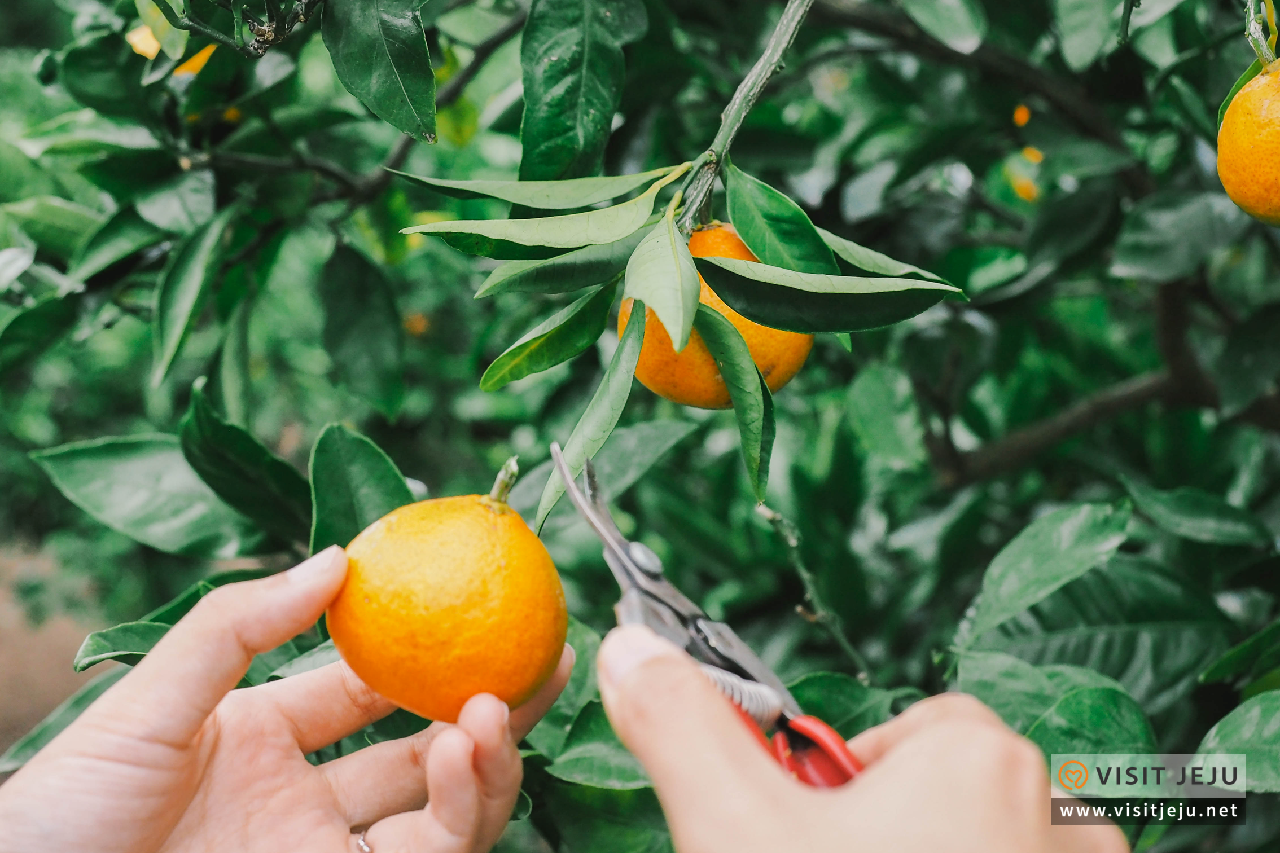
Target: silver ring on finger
column 362, row 844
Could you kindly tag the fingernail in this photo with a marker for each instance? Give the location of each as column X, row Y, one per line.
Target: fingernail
column 571, row 653
column 321, row 567
column 627, row 648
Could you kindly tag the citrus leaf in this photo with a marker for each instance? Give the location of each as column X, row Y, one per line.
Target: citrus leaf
column 1250, row 362
column 57, row 226
column 843, row 702
column 773, row 226
column 1197, row 515
column 752, row 402
column 173, row 41
column 571, row 55
column 229, row 383
column 143, row 487
column 180, row 205
column 362, row 330
column 322, row 655
column 592, row 227
column 13, row 263
column 499, row 250
column 1253, row 729
column 564, row 273
column 1249, row 73
column 59, row 718
column 869, row 260
column 544, row 195
column 127, row 643
column 813, row 302
column 1087, row 29
column 29, row 332
column 661, row 274
column 593, row 756
column 379, row 51
column 559, row 338
column 959, row 24
column 1052, row 551
column 601, row 414
column 171, row 611
column 353, row 484
column 884, row 415
column 182, row 289
column 243, row 472
column 1243, row 658
column 119, row 237
column 548, row 736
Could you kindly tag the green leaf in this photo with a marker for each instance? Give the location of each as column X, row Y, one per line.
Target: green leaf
column 1249, row 364
column 869, row 260
column 379, row 51
column 591, row 819
column 322, row 655
column 31, row 331
column 883, row 412
column 811, row 302
column 13, row 263
column 1130, row 619
column 1253, row 729
column 1067, row 223
column 843, row 702
column 1249, row 73
column 362, row 329
column 1197, row 515
column 182, row 289
column 56, row 225
column 1243, row 658
column 773, row 226
column 173, row 41
column 121, row 236
column 571, row 54
column 601, row 414
column 143, row 487
column 548, row 736
column 1086, row 30
column 560, row 337
column 564, row 273
column 103, row 72
column 593, row 755
column 752, row 402
column 244, row 473
column 544, row 195
column 1168, row 235
column 182, row 204
column 1052, row 551
column 59, row 718
column 661, row 274
column 229, row 384
column 592, row 227
column 127, row 643
column 626, row 456
column 170, row 612
column 353, row 484
column 959, row 24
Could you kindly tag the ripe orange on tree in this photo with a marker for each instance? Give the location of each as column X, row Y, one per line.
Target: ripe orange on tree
column 447, row 598
column 690, row 377
column 1249, row 146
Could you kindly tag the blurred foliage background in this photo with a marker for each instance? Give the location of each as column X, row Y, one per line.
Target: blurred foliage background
column 1117, row 345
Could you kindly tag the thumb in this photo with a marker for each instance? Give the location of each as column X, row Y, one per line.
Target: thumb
column 170, row 694
column 704, row 762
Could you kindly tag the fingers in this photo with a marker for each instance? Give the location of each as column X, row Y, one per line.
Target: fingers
column 173, row 690
column 525, row 717
column 875, row 743
column 325, row 705
column 449, row 823
column 706, row 766
column 496, row 763
column 390, row 778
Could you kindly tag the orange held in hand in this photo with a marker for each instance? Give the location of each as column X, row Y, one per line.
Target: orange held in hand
column 690, row 377
column 448, row 598
column 1249, row 146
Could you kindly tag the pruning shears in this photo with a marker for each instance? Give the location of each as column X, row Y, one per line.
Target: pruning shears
column 806, row 747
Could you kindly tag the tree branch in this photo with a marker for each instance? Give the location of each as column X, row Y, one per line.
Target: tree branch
column 698, row 186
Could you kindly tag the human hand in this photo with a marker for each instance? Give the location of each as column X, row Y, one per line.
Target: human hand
column 947, row 774
column 172, row 759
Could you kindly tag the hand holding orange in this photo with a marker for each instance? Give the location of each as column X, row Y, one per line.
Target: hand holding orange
column 448, row 598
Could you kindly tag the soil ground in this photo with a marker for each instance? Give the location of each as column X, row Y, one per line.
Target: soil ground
column 35, row 661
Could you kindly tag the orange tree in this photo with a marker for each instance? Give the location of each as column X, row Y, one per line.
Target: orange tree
column 246, row 309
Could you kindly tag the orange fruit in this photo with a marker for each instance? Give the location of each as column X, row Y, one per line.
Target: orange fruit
column 447, row 598
column 1249, row 146
column 690, row 377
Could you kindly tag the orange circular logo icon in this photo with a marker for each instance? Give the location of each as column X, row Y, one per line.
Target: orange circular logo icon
column 1073, row 775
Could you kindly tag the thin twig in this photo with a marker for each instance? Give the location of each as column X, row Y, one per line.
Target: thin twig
column 698, row 187
column 821, row 614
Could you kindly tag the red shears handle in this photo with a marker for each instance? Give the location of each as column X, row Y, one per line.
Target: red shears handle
column 809, row 750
